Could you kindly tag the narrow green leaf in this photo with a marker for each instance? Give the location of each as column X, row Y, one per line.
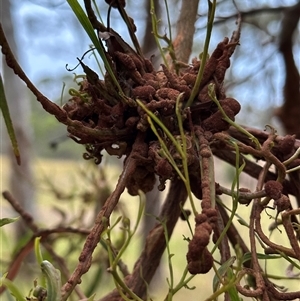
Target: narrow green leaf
column 209, row 27
column 53, row 280
column 243, row 222
column 232, row 291
column 7, row 220
column 37, row 250
column 12, row 288
column 247, row 256
column 292, row 262
column 8, row 122
column 39, row 257
column 91, row 298
column 222, row 271
column 88, row 27
column 155, row 22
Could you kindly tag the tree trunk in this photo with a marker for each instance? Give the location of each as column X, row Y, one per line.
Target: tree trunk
column 21, row 177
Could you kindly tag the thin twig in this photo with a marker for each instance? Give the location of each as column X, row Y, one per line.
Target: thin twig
column 185, row 32
column 257, row 272
column 26, row 216
column 101, row 223
column 48, row 105
column 286, row 221
column 243, row 195
column 43, row 233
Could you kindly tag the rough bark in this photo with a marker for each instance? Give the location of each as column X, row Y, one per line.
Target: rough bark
column 185, row 30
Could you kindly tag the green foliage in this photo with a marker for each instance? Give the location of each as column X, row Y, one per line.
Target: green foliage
column 7, row 220
column 87, row 26
column 204, row 55
column 178, row 142
column 12, row 288
column 224, row 280
column 8, row 122
column 157, row 36
column 115, row 259
column 53, row 281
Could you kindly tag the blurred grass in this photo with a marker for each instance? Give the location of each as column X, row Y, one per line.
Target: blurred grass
column 69, row 177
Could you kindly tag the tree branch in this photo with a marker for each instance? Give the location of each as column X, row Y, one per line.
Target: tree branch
column 150, row 257
column 101, row 222
column 183, row 42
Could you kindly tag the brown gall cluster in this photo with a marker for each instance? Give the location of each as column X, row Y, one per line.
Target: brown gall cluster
column 110, row 120
column 284, row 148
column 274, row 190
column 199, row 259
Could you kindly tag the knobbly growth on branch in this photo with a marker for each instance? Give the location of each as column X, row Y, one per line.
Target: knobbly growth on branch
column 166, row 129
